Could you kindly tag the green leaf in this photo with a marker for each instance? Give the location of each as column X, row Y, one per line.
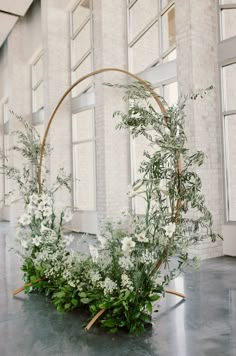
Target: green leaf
column 74, row 301
column 82, row 295
column 155, row 297
column 110, row 323
column 149, row 307
column 85, row 300
column 113, row 330
column 33, row 279
column 60, row 294
column 93, row 308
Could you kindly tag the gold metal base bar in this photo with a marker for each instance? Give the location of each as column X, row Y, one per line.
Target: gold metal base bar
column 181, row 295
column 18, row 290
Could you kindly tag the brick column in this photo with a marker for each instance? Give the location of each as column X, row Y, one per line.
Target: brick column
column 112, row 146
column 196, row 28
column 56, row 46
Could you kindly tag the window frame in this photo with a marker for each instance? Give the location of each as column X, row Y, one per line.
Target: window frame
column 156, row 19
column 90, row 51
column 40, row 81
column 83, row 101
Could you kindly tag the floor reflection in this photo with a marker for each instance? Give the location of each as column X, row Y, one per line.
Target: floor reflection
column 203, row 325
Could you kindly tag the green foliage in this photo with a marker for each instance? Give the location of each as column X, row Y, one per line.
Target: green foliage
column 123, row 273
column 28, row 145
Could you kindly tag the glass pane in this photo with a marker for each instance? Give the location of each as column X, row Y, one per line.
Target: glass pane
column 37, row 71
column 80, row 14
column 171, row 93
column 38, row 98
column 84, row 68
column 82, row 126
column 230, row 148
column 229, row 87
column 228, row 23
column 146, row 50
column 224, row 2
column 170, row 57
column 5, row 161
column 84, row 176
column 81, row 44
column 164, row 3
column 5, row 112
column 168, row 29
column 140, row 15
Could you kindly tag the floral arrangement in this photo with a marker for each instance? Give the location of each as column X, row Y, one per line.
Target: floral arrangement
column 127, row 270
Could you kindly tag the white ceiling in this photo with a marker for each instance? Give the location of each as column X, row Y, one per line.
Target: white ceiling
column 10, row 11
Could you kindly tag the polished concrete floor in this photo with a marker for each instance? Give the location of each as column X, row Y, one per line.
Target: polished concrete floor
column 203, row 325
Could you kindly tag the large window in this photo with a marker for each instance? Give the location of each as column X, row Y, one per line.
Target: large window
column 227, row 18
column 83, row 128
column 228, row 74
column 151, row 33
column 6, row 185
column 152, row 44
column 227, row 64
column 84, row 160
column 81, row 45
column 37, row 84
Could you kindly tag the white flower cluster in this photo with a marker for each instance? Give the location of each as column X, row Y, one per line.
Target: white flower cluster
column 39, row 207
column 126, row 282
column 126, row 263
column 109, row 286
column 95, row 277
column 170, row 229
column 127, row 245
column 148, row 257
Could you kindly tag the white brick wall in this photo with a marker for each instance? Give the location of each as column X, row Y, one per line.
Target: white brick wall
column 196, row 25
column 48, row 27
column 56, row 46
column 112, row 146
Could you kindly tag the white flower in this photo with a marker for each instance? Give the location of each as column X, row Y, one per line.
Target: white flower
column 170, row 229
column 25, row 219
column 102, row 240
column 162, row 185
column 37, row 240
column 109, row 286
column 71, row 283
column 34, row 199
column 41, row 206
column 46, row 199
column 147, row 257
column 142, row 237
column 68, row 239
column 108, row 235
column 126, row 282
column 127, row 245
column 47, row 212
column 37, row 214
column 30, row 208
column 43, row 229
column 93, row 252
column 24, row 243
column 67, row 215
column 95, row 276
column 125, row 263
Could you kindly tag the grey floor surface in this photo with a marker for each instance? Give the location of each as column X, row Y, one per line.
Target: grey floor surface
column 203, row 325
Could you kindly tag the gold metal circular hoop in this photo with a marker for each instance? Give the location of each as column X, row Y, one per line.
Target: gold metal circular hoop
column 140, row 80
column 178, row 167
